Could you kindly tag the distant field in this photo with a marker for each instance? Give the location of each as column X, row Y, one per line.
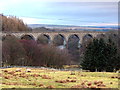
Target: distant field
column 47, row 78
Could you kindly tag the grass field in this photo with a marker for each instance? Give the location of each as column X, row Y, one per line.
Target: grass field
column 47, row 78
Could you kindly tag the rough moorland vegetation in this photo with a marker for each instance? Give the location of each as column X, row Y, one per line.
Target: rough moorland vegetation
column 15, row 78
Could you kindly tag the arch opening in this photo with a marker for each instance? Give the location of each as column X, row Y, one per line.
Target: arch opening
column 74, row 46
column 43, row 39
column 87, row 39
column 27, row 37
column 73, row 42
column 8, row 36
column 100, row 36
column 59, row 40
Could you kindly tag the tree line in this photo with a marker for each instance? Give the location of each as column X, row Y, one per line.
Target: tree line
column 101, row 56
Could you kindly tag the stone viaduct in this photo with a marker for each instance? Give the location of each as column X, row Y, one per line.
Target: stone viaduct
column 51, row 35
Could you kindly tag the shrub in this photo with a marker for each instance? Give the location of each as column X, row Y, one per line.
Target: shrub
column 54, row 57
column 33, row 52
column 12, row 52
column 28, row 52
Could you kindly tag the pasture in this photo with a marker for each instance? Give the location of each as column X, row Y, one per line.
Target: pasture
column 48, row 78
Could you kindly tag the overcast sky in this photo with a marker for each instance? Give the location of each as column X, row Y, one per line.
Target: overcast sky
column 63, row 12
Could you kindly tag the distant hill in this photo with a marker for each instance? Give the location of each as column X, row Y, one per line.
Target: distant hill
column 47, row 27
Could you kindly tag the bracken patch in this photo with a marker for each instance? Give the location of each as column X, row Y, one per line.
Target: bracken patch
column 11, row 72
column 50, row 87
column 35, row 75
column 46, row 77
column 5, row 70
column 65, row 81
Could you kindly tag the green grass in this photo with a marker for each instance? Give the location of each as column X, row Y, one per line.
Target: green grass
column 34, row 82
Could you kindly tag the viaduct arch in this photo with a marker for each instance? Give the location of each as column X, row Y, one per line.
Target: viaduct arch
column 51, row 35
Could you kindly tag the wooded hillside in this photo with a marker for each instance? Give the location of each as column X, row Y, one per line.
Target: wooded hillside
column 13, row 24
